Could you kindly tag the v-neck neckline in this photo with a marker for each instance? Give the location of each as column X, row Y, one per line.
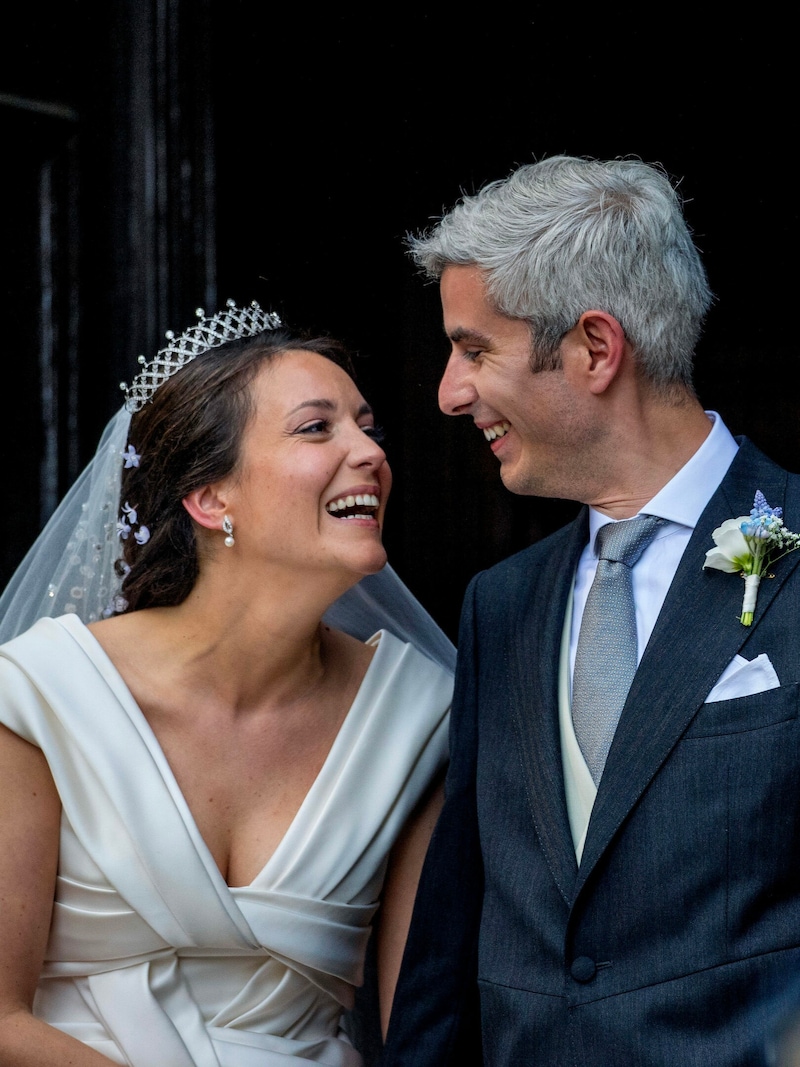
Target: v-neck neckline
column 116, row 683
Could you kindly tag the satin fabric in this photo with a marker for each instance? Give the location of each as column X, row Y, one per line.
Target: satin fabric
column 152, row 958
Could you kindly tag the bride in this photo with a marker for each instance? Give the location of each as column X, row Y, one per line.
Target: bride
column 210, row 778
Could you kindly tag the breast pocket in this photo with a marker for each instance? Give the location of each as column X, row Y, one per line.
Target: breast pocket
column 746, row 713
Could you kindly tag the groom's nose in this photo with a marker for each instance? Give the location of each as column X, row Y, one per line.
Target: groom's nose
column 456, row 391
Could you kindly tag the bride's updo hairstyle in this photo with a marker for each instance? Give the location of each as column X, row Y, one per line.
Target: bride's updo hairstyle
column 187, row 436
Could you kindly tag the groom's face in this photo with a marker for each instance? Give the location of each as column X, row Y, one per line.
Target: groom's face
column 534, row 422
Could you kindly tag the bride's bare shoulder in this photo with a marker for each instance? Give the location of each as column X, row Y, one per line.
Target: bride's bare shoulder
column 123, row 633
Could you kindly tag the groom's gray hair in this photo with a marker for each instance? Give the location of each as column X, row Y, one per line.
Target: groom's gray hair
column 567, row 235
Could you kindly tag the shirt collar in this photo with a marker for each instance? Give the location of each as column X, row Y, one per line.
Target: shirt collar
column 684, row 497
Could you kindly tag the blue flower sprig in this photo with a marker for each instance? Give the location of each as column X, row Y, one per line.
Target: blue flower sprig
column 750, row 545
column 129, row 516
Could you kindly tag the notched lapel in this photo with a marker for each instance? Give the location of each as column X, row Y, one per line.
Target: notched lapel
column 533, row 696
column 696, row 636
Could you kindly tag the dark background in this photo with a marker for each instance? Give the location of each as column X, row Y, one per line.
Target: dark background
column 161, row 154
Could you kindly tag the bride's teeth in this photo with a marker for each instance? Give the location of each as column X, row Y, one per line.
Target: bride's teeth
column 364, row 500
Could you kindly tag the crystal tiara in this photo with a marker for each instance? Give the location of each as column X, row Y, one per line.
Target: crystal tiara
column 228, row 325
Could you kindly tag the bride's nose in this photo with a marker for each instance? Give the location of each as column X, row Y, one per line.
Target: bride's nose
column 365, row 451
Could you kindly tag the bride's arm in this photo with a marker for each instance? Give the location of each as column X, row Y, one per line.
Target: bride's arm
column 30, row 813
column 399, row 891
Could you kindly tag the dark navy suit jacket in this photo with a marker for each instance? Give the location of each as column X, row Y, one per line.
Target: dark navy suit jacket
column 673, row 941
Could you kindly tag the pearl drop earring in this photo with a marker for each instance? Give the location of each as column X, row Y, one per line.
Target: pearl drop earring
column 227, row 526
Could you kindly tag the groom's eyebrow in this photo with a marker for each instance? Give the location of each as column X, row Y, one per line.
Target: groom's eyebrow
column 461, row 334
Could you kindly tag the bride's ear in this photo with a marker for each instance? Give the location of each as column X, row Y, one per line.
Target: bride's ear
column 207, row 506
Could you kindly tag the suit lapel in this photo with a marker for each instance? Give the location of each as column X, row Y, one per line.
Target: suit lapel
column 533, row 698
column 700, row 613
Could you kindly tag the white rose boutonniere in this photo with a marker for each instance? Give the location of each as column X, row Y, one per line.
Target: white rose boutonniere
column 750, row 545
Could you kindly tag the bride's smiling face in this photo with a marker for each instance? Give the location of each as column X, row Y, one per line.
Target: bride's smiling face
column 312, row 480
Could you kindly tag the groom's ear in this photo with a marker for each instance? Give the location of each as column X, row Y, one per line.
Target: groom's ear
column 603, row 348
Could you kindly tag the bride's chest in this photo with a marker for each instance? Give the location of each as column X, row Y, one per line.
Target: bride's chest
column 244, row 782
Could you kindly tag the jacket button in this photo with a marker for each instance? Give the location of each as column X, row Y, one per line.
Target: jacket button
column 583, row 969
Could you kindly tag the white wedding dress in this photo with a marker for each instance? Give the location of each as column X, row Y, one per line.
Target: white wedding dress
column 152, row 959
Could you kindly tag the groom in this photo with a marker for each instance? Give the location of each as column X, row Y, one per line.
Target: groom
column 615, row 877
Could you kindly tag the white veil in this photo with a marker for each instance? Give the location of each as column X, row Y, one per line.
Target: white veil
column 70, row 567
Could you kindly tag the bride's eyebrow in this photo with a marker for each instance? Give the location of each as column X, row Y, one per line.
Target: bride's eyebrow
column 328, row 405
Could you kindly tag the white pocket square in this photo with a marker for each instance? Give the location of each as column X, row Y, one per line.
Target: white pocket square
column 744, row 678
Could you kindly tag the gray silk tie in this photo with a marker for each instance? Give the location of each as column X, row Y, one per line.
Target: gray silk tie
column 607, row 653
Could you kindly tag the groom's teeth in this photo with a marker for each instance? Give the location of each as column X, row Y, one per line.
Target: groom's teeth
column 500, row 429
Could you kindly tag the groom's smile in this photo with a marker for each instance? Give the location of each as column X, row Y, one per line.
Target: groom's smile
column 534, row 421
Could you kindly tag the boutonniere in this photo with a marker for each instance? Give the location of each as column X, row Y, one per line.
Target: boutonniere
column 748, row 546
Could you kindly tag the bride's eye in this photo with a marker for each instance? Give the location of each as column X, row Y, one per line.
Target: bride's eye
column 319, row 426
column 377, row 433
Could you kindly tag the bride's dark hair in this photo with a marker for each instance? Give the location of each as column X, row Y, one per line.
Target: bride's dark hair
column 189, row 435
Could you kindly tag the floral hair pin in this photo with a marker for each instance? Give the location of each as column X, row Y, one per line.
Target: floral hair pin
column 127, row 521
column 130, row 457
column 750, row 545
column 129, row 517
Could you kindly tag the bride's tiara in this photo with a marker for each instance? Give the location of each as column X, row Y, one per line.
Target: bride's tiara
column 227, row 325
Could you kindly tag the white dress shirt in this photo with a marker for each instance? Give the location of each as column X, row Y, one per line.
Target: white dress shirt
column 680, row 502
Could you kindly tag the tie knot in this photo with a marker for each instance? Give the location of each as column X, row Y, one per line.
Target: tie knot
column 624, row 542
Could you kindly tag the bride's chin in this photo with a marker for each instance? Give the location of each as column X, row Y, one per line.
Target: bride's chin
column 355, row 567
column 375, row 562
